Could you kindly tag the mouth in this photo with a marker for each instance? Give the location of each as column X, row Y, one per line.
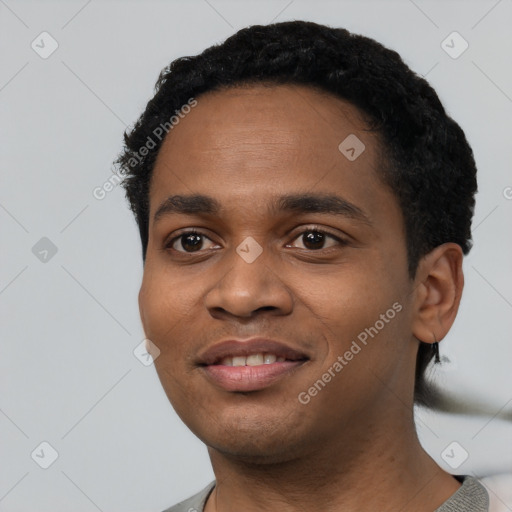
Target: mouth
column 249, row 365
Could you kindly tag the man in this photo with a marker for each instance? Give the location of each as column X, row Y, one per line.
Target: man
column 304, row 205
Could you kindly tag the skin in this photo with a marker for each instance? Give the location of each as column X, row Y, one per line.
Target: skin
column 354, row 445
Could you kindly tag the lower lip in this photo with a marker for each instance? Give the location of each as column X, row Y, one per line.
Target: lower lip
column 249, row 378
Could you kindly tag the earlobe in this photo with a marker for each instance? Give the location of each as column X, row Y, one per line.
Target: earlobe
column 438, row 287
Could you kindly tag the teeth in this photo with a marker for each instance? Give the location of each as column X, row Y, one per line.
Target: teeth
column 252, row 360
column 239, row 361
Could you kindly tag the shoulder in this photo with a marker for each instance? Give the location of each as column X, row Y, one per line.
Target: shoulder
column 470, row 497
column 195, row 503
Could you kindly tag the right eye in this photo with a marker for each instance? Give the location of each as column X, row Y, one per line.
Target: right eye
column 190, row 241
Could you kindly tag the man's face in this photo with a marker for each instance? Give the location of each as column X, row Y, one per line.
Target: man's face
column 290, row 271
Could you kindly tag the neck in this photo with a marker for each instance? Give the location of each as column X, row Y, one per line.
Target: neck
column 379, row 466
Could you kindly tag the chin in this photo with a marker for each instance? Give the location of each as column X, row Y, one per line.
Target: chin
column 254, row 453
column 251, row 439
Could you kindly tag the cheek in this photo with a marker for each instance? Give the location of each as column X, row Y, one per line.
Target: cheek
column 348, row 295
column 166, row 306
column 356, row 307
column 167, row 313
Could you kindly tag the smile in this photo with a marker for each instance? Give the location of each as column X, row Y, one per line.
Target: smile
column 249, row 365
column 244, row 376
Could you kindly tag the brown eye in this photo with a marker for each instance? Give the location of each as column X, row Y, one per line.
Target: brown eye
column 190, row 241
column 313, row 239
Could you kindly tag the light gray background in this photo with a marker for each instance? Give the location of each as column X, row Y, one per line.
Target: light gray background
column 68, row 375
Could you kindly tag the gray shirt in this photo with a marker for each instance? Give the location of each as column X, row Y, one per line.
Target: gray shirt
column 470, row 497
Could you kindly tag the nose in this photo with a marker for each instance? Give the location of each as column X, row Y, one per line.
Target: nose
column 246, row 288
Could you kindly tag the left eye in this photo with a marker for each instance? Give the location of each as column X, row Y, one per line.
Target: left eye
column 314, row 239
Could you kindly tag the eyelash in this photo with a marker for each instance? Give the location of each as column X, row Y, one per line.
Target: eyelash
column 314, row 229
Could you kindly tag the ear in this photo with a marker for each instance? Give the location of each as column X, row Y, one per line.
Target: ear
column 438, row 289
column 141, row 310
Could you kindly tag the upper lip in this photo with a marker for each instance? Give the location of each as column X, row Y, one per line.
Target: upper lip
column 233, row 348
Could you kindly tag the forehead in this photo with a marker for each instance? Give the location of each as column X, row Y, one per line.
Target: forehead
column 281, row 114
column 253, row 140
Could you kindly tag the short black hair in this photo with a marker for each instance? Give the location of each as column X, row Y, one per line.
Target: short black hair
column 426, row 159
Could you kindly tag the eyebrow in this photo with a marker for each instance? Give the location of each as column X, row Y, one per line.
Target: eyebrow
column 293, row 203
